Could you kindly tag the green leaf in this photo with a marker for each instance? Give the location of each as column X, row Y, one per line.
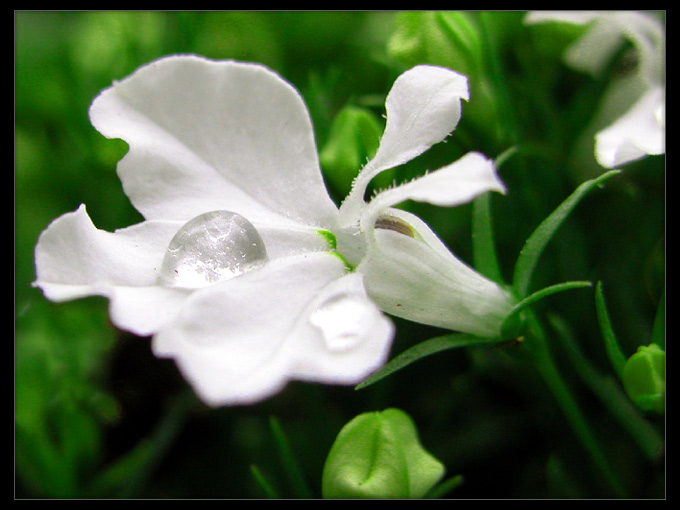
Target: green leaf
column 290, row 465
column 610, row 393
column 264, row 484
column 512, row 318
column 484, row 254
column 616, row 356
column 534, row 246
column 443, row 488
column 426, row 348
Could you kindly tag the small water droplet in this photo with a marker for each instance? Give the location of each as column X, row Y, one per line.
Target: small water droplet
column 342, row 319
column 214, row 246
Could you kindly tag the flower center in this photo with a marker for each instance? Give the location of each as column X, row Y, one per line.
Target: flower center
column 214, row 246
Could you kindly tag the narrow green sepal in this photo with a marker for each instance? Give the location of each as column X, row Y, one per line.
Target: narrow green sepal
column 534, row 246
column 423, row 349
column 512, row 323
column 616, row 356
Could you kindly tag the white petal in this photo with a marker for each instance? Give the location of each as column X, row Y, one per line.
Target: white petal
column 242, row 340
column 75, row 259
column 639, row 132
column 343, row 336
column 419, row 279
column 422, row 107
column 144, row 310
column 455, row 184
column 593, row 51
column 207, row 135
column 578, row 17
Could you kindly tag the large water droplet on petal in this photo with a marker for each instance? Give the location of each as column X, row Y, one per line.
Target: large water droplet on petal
column 343, row 321
column 214, row 246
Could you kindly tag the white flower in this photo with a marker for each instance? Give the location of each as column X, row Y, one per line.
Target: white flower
column 241, row 270
column 640, row 128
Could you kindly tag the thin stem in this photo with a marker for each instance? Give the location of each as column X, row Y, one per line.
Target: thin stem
column 548, row 370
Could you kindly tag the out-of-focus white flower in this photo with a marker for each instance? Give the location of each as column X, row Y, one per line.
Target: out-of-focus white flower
column 640, row 129
column 244, row 270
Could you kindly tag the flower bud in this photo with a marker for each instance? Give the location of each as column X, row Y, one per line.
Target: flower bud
column 378, row 455
column 643, row 378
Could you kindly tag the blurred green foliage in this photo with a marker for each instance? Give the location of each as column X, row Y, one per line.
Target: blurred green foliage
column 96, row 415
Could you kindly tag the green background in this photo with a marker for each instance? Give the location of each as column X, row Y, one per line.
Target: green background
column 96, row 415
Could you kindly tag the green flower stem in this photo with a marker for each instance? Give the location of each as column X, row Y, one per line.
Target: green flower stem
column 545, row 364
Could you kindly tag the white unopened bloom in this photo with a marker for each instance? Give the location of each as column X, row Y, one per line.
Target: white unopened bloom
column 640, row 101
column 244, row 270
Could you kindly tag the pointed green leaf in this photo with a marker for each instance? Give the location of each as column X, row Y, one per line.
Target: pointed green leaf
column 483, row 246
column 616, row 356
column 426, row 348
column 533, row 248
column 264, row 484
column 512, row 318
column 297, row 480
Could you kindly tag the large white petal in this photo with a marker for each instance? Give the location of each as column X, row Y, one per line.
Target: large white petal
column 419, row 279
column 242, row 340
column 207, row 135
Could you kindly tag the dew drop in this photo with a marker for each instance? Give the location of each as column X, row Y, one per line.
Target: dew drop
column 214, row 246
column 342, row 320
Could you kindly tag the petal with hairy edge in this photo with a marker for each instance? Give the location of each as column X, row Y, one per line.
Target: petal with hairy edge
column 240, row 341
column 207, row 135
column 423, row 107
column 455, row 184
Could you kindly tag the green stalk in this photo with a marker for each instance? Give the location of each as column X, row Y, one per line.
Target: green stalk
column 551, row 376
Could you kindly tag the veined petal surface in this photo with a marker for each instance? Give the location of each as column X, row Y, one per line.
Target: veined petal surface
column 209, row 135
column 242, row 340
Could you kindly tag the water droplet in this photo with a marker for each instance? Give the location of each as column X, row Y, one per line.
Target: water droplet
column 214, row 246
column 342, row 319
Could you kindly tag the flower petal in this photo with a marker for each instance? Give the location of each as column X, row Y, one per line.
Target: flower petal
column 423, row 107
column 207, row 135
column 638, row 133
column 419, row 279
column 455, row 184
column 75, row 259
column 343, row 336
column 242, row 340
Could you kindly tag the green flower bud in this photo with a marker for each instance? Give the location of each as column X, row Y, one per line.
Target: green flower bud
column 643, row 377
column 378, row 455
